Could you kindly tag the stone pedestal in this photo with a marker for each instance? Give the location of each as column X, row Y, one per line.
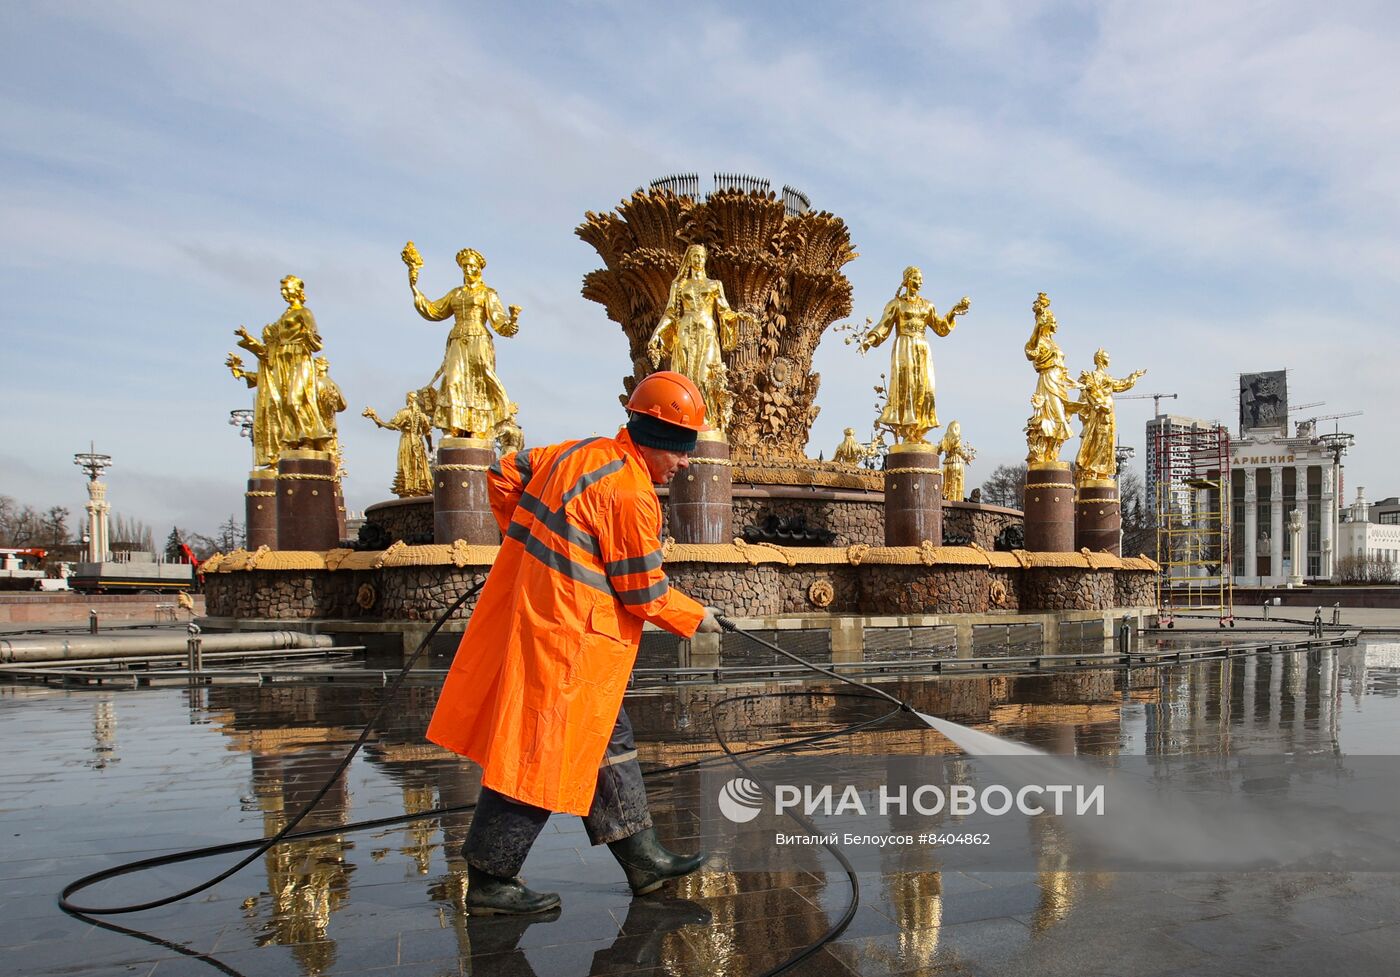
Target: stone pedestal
column 306, row 501
column 461, row 507
column 913, row 496
column 1049, row 509
column 701, row 507
column 1098, row 517
column 260, row 509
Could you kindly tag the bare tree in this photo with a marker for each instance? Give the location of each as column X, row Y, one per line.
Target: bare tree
column 1006, row 486
column 202, row 546
column 1367, row 568
column 20, row 526
column 130, row 534
column 54, row 526
column 1139, row 516
column 230, row 535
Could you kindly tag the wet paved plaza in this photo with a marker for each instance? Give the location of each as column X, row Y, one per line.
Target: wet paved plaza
column 95, row 778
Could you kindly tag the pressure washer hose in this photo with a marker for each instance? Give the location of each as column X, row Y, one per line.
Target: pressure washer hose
column 263, row 845
column 288, row 832
column 729, row 625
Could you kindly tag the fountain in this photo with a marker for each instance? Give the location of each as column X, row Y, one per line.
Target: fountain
column 757, row 278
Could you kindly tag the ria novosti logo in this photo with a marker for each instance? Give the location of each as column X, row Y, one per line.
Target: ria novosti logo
column 740, row 800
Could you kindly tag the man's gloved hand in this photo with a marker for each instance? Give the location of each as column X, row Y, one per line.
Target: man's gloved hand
column 709, row 624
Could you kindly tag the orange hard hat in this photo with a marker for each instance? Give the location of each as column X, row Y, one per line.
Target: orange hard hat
column 671, row 397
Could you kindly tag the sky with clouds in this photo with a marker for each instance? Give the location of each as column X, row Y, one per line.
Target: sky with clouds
column 1203, row 188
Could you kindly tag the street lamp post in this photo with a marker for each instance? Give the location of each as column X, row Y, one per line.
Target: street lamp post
column 95, row 536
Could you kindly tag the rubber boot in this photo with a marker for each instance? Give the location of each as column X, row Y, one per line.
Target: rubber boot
column 491, row 895
column 648, row 864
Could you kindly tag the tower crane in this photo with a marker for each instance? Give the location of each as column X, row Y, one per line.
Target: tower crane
column 1156, row 400
column 1338, row 441
column 1333, row 417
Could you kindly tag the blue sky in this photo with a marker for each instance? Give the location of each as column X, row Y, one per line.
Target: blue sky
column 1204, row 189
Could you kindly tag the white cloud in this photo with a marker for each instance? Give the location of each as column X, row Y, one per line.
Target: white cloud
column 1202, row 189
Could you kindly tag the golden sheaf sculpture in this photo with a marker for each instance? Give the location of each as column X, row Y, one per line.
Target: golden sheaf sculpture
column 470, row 399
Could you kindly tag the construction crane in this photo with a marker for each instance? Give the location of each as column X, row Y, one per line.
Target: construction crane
column 1156, row 400
column 1308, row 428
column 1333, row 417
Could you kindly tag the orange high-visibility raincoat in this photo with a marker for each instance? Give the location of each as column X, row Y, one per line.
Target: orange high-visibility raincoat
column 538, row 679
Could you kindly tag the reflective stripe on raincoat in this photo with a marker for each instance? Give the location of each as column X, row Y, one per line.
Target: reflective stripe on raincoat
column 538, row 679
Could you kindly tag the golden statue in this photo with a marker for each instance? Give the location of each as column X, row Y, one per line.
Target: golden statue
column 290, row 361
column 267, row 442
column 1048, row 427
column 509, row 437
column 413, row 475
column 1098, row 440
column 850, row 451
column 696, row 328
column 470, row 399
column 330, row 402
column 909, row 408
column 956, row 454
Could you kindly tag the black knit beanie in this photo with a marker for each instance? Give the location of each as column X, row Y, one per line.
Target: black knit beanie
column 653, row 432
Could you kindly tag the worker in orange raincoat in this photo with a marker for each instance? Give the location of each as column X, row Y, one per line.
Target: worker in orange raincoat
column 535, row 691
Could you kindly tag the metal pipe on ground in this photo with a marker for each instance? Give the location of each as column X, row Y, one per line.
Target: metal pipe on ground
column 61, row 649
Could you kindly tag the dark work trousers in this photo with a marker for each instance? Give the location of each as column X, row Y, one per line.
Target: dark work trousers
column 503, row 830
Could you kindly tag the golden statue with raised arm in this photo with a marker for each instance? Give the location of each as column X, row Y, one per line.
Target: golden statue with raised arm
column 696, row 329
column 1048, row 427
column 957, row 453
column 1098, row 440
column 909, row 406
column 412, row 475
column 470, row 399
column 267, row 441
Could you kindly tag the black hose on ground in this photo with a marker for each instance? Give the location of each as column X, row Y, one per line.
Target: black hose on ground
column 265, row 844
column 288, row 833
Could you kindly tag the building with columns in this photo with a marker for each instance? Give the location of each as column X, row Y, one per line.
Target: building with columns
column 1272, row 474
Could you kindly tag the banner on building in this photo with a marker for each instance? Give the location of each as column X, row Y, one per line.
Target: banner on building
column 1264, row 401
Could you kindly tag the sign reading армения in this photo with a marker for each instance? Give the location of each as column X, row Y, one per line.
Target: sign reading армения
column 1241, row 460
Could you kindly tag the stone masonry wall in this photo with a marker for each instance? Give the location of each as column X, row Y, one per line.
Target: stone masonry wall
column 851, row 521
column 1135, row 590
column 916, row 590
column 403, row 519
column 422, row 593
column 1067, row 589
column 982, row 525
column 731, row 587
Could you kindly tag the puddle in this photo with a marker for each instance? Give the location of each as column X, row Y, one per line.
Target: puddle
column 93, row 778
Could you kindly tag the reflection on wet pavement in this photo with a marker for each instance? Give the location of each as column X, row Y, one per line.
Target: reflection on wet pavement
column 96, row 778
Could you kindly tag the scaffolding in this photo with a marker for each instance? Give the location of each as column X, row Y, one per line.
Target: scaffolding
column 1193, row 521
